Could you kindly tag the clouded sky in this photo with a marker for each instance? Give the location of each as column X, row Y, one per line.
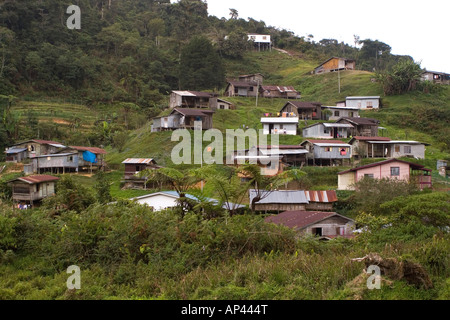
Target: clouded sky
column 417, row 28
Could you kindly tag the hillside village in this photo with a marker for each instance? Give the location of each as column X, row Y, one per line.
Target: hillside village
column 357, row 173
column 322, row 145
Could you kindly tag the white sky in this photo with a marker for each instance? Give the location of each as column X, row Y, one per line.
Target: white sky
column 417, row 28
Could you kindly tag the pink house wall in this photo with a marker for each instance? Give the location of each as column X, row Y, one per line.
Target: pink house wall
column 384, row 171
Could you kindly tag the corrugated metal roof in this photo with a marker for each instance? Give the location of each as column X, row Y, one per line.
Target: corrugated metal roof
column 94, row 150
column 56, row 155
column 371, row 138
column 337, row 125
column 280, row 196
column 138, row 161
column 283, row 151
column 193, row 112
column 57, row 145
column 324, row 141
column 332, row 145
column 324, row 196
column 300, row 219
column 362, row 98
column 395, row 142
column 15, row 150
column 37, row 179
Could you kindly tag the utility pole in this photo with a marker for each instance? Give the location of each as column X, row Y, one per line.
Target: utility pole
column 339, row 80
column 257, row 92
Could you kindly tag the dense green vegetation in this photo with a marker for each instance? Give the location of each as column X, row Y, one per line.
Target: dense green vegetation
column 101, row 85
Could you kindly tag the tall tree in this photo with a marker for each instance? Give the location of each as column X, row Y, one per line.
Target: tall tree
column 200, row 66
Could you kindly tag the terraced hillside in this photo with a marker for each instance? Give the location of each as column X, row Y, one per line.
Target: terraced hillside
column 66, row 115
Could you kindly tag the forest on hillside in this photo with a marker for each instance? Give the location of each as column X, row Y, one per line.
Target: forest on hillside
column 139, row 50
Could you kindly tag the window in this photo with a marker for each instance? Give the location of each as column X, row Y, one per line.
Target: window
column 395, row 171
column 138, row 168
column 317, row 231
column 407, row 149
column 328, row 149
column 350, row 114
column 326, row 131
column 397, row 148
column 251, row 89
column 236, row 90
column 368, row 175
column 343, row 151
column 369, row 104
column 336, row 113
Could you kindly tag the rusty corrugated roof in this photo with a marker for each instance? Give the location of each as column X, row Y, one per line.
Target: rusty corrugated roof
column 325, row 196
column 299, row 219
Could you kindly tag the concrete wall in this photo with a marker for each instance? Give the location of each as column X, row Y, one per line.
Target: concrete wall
column 363, row 103
column 417, row 150
column 346, row 180
column 332, row 227
column 281, row 128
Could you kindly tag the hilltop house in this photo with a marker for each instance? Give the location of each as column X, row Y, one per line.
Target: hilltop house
column 335, row 64
column 363, row 103
column 326, row 225
column 88, row 157
column 257, row 77
column 135, row 165
column 168, row 199
column 279, row 200
column 361, row 126
column 280, row 125
column 31, row 148
column 327, row 152
column 190, row 99
column 241, row 89
column 217, row 103
column 327, row 130
column 16, row 154
column 302, row 109
column 383, row 147
column 287, row 155
column 391, row 169
column 32, row 189
column 436, row 77
column 260, row 41
column 336, row 112
column 245, row 86
column 273, row 91
column 183, row 118
column 55, row 163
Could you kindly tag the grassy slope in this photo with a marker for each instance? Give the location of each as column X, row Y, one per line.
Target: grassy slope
column 278, row 68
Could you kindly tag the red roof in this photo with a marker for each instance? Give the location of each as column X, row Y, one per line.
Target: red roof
column 38, row 179
column 414, row 166
column 300, row 219
column 94, row 150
